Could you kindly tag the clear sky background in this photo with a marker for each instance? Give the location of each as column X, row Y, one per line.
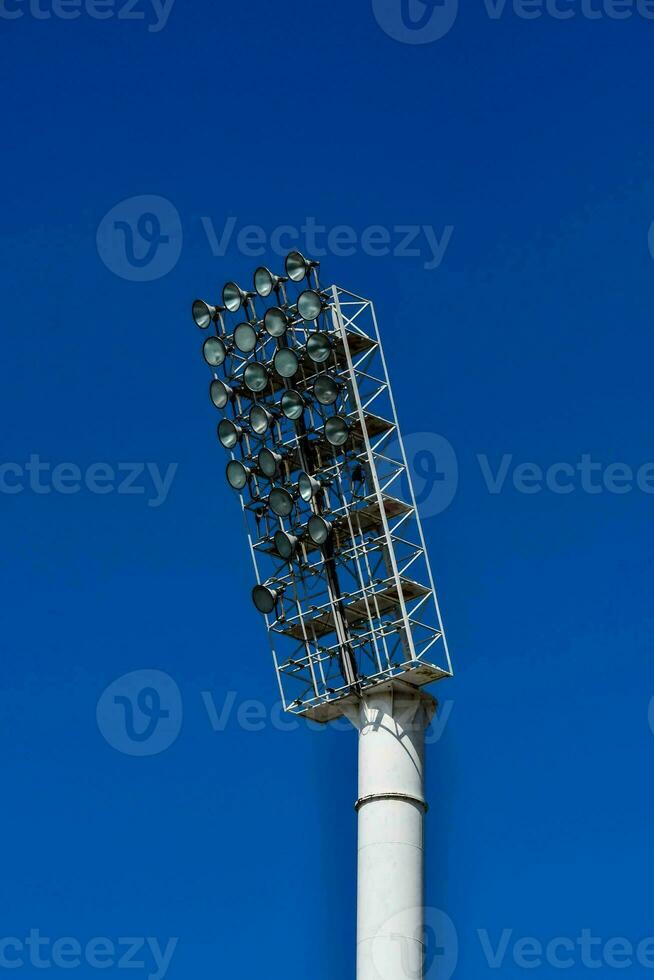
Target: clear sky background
column 531, row 334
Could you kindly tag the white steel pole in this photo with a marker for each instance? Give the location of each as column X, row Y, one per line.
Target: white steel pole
column 391, row 721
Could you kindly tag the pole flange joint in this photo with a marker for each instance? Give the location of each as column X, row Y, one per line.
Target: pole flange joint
column 407, row 797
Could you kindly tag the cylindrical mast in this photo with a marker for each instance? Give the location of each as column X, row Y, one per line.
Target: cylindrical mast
column 390, row 903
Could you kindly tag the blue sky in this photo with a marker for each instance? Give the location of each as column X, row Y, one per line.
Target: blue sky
column 522, row 147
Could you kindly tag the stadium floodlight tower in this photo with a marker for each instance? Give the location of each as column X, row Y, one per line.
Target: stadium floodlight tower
column 343, row 577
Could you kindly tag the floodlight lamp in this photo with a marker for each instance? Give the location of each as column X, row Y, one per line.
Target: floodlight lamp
column 265, row 598
column 234, row 297
column 214, row 351
column 286, row 362
column 309, row 486
column 276, row 321
column 266, row 281
column 337, row 431
column 256, row 377
column 326, row 390
column 293, row 405
column 238, row 474
column 220, row 393
column 310, row 304
column 318, row 529
column 203, row 313
column 261, row 420
column 297, row 267
column 229, row 433
column 245, row 337
column 280, row 502
column 319, row 347
column 269, row 462
column 285, row 544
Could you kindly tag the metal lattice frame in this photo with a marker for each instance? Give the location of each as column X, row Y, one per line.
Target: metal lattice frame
column 364, row 609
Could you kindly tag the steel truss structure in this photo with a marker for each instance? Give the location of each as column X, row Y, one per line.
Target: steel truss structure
column 360, row 608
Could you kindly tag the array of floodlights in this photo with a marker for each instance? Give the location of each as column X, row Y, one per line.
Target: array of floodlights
column 302, row 367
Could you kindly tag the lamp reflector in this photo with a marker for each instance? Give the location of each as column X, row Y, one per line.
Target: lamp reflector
column 269, row 462
column 234, row 297
column 286, row 362
column 285, row 544
column 238, row 474
column 265, row 599
column 319, row 347
column 297, row 267
column 265, row 281
column 293, row 405
column 310, row 304
column 276, row 321
column 280, row 501
column 326, row 390
column 255, row 377
column 220, row 393
column 337, row 430
column 214, row 351
column 308, row 486
column 229, row 433
column 260, row 419
column 318, row 529
column 203, row 313
column 245, row 337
